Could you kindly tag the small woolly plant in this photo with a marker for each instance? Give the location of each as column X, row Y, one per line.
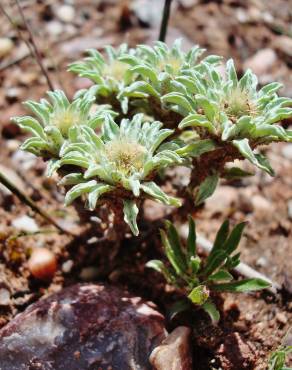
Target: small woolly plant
column 151, row 109
column 215, row 119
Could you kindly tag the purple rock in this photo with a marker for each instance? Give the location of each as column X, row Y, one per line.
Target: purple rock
column 83, row 327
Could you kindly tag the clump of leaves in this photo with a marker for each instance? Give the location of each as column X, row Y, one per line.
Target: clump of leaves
column 188, row 115
column 200, row 278
column 57, row 121
column 109, row 74
column 232, row 111
column 119, row 163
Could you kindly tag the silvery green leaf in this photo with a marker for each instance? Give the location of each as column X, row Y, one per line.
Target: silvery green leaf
column 97, row 191
column 130, row 215
column 75, row 159
column 208, row 106
column 242, row 127
column 179, row 99
column 197, row 148
column 158, row 194
column 54, row 134
column 96, row 170
column 246, row 151
column 41, row 111
column 270, row 88
column 134, row 185
column 92, row 138
column 35, row 145
column 213, row 59
column 264, row 162
column 197, row 120
column 265, row 130
column 110, row 129
column 206, row 189
column 140, row 89
column 72, row 179
column 79, row 190
column 52, row 166
column 278, row 115
column 145, row 71
column 30, row 124
column 160, row 137
column 231, row 72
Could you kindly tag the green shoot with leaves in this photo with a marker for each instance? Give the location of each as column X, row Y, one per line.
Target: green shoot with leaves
column 200, row 278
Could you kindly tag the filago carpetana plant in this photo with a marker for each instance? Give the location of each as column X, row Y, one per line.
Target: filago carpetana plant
column 149, row 110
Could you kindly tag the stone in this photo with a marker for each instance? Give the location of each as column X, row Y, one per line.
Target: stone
column 66, row 13
column 23, row 160
column 6, row 46
column 12, row 177
column 83, row 327
column 262, row 61
column 174, row 352
column 222, row 201
column 55, row 28
column 281, row 318
column 26, row 224
column 187, row 4
column 262, row 207
column 283, row 44
column 4, row 297
column 262, row 262
column 287, row 151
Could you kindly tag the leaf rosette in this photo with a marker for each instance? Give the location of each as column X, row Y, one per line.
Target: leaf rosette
column 109, row 74
column 120, row 163
column 232, row 111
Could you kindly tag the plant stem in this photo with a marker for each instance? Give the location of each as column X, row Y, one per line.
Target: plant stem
column 37, row 54
column 29, row 202
column 164, row 21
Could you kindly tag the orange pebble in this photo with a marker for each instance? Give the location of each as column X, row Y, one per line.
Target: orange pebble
column 42, row 263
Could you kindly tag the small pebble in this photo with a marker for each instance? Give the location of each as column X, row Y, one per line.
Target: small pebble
column 6, row 46
column 55, row 28
column 42, row 264
column 67, row 266
column 26, row 224
column 65, row 13
column 287, row 151
column 4, row 297
column 262, row 262
column 281, row 318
